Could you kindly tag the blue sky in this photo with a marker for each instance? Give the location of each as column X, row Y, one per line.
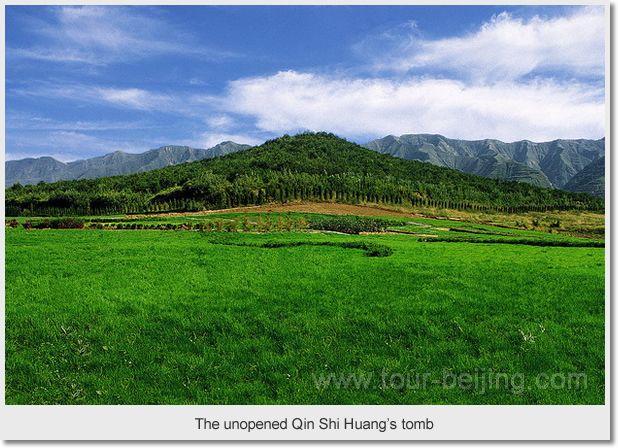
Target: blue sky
column 85, row 81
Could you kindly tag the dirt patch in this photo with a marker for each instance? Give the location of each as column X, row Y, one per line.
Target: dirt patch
column 327, row 208
column 333, row 208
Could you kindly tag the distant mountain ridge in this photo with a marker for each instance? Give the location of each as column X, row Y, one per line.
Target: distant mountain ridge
column 549, row 164
column 47, row 169
column 590, row 180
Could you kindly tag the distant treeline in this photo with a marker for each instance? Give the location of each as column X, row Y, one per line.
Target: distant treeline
column 315, row 167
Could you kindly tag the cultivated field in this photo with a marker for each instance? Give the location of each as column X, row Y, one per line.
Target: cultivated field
column 445, row 312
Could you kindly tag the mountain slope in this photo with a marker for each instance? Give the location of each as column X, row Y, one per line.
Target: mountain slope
column 590, row 180
column 47, row 169
column 550, row 164
column 308, row 166
column 32, row 171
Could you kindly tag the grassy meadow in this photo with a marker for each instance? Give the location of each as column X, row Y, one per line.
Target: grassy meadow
column 100, row 316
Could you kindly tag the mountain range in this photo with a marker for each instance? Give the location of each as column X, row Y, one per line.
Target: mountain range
column 47, row 169
column 552, row 164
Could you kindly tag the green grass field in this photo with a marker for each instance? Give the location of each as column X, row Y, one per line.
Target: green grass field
column 173, row 317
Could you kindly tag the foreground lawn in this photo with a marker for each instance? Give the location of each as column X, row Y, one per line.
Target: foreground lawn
column 160, row 317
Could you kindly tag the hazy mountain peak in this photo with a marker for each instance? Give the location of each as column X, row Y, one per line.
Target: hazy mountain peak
column 48, row 169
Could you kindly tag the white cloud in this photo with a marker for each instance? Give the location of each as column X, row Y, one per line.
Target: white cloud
column 135, row 99
column 100, row 35
column 31, row 122
column 55, row 55
column 220, row 122
column 210, row 139
column 508, row 48
column 130, row 98
column 369, row 108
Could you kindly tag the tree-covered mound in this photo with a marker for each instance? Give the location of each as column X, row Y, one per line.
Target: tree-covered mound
column 309, row 166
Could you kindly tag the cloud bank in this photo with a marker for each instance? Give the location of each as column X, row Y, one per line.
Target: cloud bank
column 539, row 110
column 513, row 79
column 508, row 48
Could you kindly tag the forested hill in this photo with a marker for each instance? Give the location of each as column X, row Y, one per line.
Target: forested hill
column 308, row 166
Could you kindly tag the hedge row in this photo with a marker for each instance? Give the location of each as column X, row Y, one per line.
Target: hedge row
column 351, row 224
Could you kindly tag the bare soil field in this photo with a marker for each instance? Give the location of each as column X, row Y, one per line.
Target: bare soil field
column 328, row 208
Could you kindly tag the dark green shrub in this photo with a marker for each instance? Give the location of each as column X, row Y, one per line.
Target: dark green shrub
column 350, row 224
column 371, row 249
column 56, row 223
column 67, row 223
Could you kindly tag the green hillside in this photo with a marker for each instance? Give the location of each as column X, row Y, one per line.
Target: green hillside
column 308, row 166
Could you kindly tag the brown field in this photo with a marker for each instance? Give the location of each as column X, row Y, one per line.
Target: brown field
column 328, row 208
